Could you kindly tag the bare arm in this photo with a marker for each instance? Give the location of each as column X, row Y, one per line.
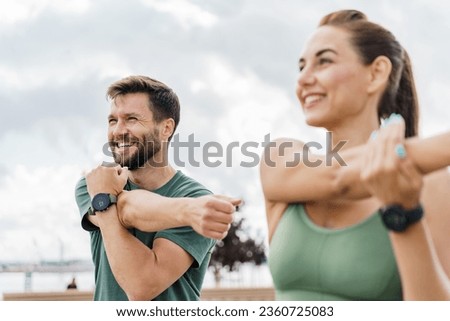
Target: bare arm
column 418, row 250
column 143, row 273
column 133, row 264
column 287, row 178
column 209, row 215
column 428, row 155
column 422, row 274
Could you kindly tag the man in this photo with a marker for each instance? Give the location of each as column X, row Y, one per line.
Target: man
column 143, row 215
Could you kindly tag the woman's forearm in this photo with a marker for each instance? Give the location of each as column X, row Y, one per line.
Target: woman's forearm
column 422, row 275
column 429, row 154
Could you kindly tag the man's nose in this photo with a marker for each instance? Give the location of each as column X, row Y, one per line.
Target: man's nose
column 120, row 128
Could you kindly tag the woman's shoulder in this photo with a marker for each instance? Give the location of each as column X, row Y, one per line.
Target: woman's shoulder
column 286, row 143
column 281, row 151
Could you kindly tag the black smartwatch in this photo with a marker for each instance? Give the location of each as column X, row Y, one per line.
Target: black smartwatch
column 101, row 202
column 397, row 219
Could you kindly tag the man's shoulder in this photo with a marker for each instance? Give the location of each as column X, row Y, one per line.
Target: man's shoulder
column 81, row 183
column 81, row 188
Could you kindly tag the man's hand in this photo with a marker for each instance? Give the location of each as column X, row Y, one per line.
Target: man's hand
column 212, row 215
column 104, row 179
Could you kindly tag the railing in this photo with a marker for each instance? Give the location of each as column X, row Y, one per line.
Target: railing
column 212, row 294
column 69, row 295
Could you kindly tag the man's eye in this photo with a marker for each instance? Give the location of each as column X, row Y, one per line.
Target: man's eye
column 112, row 121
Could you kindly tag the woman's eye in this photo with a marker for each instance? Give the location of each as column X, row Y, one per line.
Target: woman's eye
column 323, row 61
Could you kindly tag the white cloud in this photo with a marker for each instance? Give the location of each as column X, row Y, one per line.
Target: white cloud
column 434, row 108
column 185, row 12
column 53, row 141
column 252, row 107
column 16, row 11
column 63, row 72
column 39, row 209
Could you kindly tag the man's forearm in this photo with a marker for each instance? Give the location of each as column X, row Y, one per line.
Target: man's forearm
column 142, row 272
column 127, row 256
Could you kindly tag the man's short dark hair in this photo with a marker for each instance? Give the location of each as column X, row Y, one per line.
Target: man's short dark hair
column 163, row 101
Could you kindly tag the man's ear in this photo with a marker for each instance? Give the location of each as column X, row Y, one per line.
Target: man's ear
column 167, row 127
column 380, row 70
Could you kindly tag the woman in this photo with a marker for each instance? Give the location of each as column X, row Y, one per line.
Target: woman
column 327, row 238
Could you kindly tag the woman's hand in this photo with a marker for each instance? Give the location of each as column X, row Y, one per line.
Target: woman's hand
column 387, row 172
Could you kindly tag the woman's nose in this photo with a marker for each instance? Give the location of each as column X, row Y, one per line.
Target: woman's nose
column 306, row 77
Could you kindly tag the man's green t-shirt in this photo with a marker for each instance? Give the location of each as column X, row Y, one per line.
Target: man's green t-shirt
column 188, row 287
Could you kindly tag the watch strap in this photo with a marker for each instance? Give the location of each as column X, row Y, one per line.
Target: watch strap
column 113, row 198
column 414, row 214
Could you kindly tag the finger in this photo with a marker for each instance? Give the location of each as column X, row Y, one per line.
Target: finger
column 379, row 161
column 220, row 217
column 108, row 164
column 396, row 132
column 220, row 236
column 215, row 235
column 233, row 200
column 367, row 165
column 393, row 135
column 236, row 201
column 366, row 159
column 108, row 169
column 217, row 227
column 222, row 205
column 123, row 171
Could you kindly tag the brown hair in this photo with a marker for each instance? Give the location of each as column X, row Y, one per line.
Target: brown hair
column 371, row 41
column 163, row 102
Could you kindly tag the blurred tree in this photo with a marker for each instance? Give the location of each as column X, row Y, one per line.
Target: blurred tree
column 236, row 248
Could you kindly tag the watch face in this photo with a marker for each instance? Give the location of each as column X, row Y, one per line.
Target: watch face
column 395, row 219
column 101, row 202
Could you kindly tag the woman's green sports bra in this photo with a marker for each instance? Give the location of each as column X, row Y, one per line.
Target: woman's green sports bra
column 309, row 262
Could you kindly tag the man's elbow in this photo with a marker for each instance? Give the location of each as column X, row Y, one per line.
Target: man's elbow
column 143, row 293
column 125, row 210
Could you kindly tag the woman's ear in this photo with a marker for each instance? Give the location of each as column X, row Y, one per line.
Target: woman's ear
column 380, row 70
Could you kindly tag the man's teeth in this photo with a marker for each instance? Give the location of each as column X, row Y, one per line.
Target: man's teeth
column 312, row 99
column 121, row 145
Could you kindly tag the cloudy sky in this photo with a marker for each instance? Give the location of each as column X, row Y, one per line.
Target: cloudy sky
column 233, row 64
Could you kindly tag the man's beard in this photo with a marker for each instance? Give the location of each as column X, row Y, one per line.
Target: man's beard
column 147, row 148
